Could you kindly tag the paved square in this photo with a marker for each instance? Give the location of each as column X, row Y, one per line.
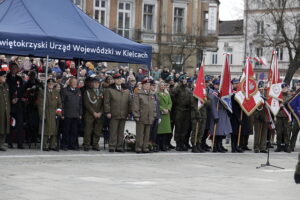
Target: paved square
column 71, row 175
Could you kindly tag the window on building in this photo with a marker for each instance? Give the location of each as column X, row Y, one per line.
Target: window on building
column 260, row 27
column 280, row 53
column 148, row 22
column 279, row 3
column 79, row 3
column 100, row 11
column 124, row 19
column 205, row 23
column 259, row 52
column 214, row 60
column 259, row 4
column 178, row 23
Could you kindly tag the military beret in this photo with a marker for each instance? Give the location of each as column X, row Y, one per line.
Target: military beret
column 94, row 80
column 283, row 85
column 216, row 82
column 50, row 80
column 152, row 82
column 234, row 81
column 182, row 77
column 261, row 84
column 207, row 78
column 146, row 80
column 117, row 76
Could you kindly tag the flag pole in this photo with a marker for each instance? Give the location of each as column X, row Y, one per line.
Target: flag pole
column 215, row 128
column 196, row 134
column 240, row 128
column 44, row 104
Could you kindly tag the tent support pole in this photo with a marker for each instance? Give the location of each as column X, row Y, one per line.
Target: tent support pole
column 44, row 104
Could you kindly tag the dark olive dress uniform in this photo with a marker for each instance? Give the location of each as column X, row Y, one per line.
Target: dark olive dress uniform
column 183, row 106
column 144, row 109
column 53, row 102
column 199, row 117
column 4, row 112
column 117, row 102
column 93, row 103
column 260, row 129
column 283, row 127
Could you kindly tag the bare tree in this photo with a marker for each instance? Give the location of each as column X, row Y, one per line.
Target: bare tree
column 284, row 31
column 179, row 50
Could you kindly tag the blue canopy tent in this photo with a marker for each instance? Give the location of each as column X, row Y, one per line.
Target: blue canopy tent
column 59, row 29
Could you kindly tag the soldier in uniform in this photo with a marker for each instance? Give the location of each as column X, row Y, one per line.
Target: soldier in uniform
column 219, row 117
column 4, row 109
column 93, row 120
column 260, row 124
column 144, row 112
column 199, row 117
column 182, row 96
column 283, row 123
column 117, row 106
column 53, row 102
column 235, row 119
column 297, row 172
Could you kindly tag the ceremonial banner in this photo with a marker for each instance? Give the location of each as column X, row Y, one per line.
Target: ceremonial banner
column 226, row 87
column 248, row 97
column 294, row 106
column 274, row 94
column 200, row 90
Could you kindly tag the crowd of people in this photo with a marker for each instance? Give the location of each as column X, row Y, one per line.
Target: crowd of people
column 90, row 100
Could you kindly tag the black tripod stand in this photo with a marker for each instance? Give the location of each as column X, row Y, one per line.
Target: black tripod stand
column 268, row 159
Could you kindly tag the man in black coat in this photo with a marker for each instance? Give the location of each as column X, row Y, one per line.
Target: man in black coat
column 16, row 92
column 72, row 113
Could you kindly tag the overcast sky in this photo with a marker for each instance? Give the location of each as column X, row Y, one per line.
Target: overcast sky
column 231, row 9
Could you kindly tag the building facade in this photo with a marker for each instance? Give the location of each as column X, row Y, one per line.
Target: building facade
column 178, row 30
column 231, row 40
column 262, row 27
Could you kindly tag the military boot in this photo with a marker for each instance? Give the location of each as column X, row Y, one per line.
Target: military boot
column 297, row 178
column 278, row 149
column 200, row 149
column 287, row 149
column 178, row 146
column 195, row 149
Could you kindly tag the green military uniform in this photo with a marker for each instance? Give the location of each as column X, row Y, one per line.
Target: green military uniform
column 117, row 102
column 295, row 131
column 53, row 102
column 260, row 128
column 297, row 172
column 183, row 106
column 199, row 117
column 93, row 103
column 144, row 109
column 4, row 113
column 283, row 126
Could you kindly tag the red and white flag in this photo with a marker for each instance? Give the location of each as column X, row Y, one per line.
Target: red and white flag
column 248, row 97
column 261, row 60
column 274, row 92
column 200, row 90
column 225, row 85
